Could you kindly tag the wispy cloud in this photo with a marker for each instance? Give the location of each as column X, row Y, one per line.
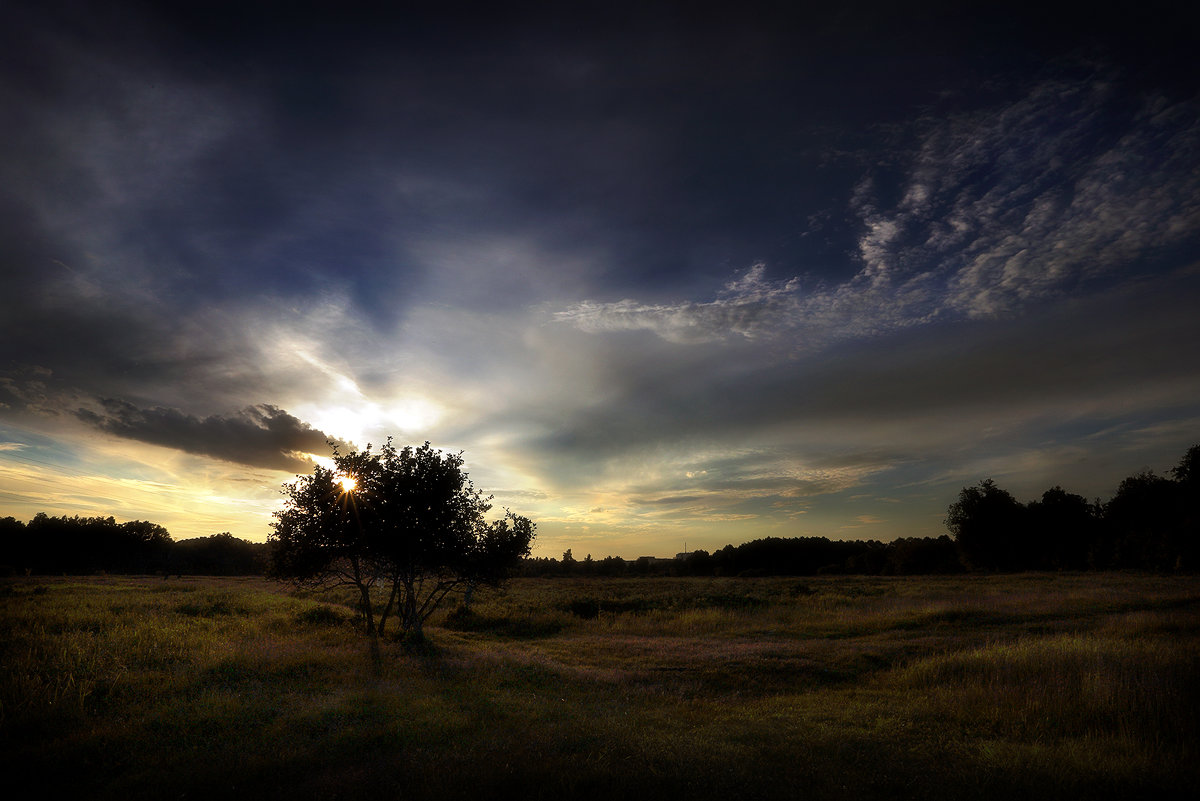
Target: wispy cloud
column 996, row 210
column 749, row 306
column 1020, row 204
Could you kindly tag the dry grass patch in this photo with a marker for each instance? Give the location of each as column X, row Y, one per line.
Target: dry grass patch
column 965, row 687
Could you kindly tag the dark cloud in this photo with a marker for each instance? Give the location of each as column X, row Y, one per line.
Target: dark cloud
column 259, row 436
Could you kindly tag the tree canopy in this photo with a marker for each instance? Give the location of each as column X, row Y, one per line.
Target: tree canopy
column 404, row 527
column 1151, row 523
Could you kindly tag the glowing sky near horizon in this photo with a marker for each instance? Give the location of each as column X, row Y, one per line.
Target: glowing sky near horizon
column 662, row 279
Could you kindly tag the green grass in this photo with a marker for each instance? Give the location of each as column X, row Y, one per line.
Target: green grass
column 1035, row 686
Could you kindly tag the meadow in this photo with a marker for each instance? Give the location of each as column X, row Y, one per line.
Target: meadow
column 1022, row 686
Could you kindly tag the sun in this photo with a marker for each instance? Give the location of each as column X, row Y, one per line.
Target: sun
column 348, row 483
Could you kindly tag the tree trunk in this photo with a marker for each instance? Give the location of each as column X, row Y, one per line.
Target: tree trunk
column 387, row 610
column 368, row 613
column 372, row 634
column 410, row 622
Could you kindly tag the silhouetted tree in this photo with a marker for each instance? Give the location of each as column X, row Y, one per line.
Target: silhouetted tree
column 148, row 546
column 1187, row 472
column 919, row 556
column 1063, row 528
column 90, row 544
column 537, row 566
column 871, row 558
column 1187, row 475
column 1144, row 524
column 697, row 563
column 645, row 566
column 988, row 527
column 611, row 566
column 411, row 524
column 14, row 546
column 1153, row 522
column 219, row 555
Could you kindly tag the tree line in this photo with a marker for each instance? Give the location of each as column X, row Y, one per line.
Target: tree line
column 1151, row 523
column 772, row 556
column 86, row 545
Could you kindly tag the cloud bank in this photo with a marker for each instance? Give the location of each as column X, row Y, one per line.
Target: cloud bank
column 258, row 436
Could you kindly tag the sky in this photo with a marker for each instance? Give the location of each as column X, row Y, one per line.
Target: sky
column 667, row 279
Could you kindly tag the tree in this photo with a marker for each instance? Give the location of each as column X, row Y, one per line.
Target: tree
column 1188, row 471
column 403, row 525
column 1187, row 476
column 988, row 525
column 917, row 555
column 81, row 545
column 219, row 555
column 14, row 546
column 1145, row 522
column 1153, row 522
column 1065, row 527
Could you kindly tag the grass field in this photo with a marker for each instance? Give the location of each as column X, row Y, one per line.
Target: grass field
column 1032, row 686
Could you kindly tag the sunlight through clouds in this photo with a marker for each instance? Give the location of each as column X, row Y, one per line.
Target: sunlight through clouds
column 730, row 280
column 185, row 507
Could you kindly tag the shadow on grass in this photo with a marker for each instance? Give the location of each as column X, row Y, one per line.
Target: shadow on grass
column 589, row 608
column 520, row 628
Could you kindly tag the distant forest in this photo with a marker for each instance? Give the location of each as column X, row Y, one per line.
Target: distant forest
column 1152, row 523
column 86, row 545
